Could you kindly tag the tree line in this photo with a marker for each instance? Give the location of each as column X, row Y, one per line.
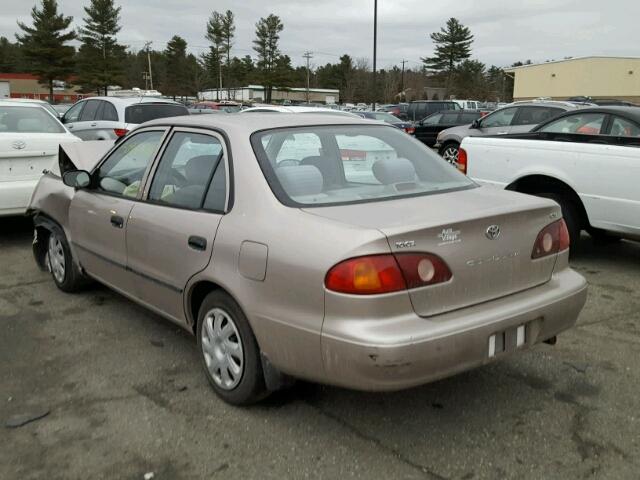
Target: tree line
column 44, row 49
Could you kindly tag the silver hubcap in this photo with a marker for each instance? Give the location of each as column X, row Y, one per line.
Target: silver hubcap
column 222, row 349
column 56, row 258
column 450, row 154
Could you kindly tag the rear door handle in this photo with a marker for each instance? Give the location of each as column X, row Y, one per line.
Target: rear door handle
column 117, row 221
column 93, row 124
column 197, row 243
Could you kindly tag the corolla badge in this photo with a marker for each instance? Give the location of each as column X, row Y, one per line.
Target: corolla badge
column 18, row 145
column 449, row 236
column 492, row 232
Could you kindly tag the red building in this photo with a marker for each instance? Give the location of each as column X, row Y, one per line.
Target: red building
column 25, row 85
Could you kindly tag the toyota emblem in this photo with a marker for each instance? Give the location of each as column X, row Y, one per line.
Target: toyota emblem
column 18, row 145
column 493, row 232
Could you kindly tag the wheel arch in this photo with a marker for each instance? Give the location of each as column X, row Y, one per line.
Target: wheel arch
column 43, row 226
column 538, row 183
column 196, row 294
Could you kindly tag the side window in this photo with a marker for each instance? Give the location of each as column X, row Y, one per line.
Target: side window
column 624, row 128
column 432, row 119
column 421, row 110
column 109, row 112
column 580, row 123
column 89, row 112
column 73, row 114
column 501, row 118
column 534, row 115
column 186, row 169
column 468, row 117
column 359, row 153
column 122, row 172
column 449, row 118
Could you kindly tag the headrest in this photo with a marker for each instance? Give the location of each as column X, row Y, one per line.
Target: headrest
column 198, row 169
column 391, row 171
column 300, row 180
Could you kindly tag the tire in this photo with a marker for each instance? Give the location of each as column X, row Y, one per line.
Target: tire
column 229, row 351
column 571, row 216
column 449, row 151
column 602, row 237
column 64, row 271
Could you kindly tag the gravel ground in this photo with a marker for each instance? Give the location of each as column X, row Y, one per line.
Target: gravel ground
column 124, row 396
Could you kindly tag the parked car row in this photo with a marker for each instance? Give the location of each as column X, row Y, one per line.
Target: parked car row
column 588, row 161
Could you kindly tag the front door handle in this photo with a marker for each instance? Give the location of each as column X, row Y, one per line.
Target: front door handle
column 197, row 243
column 117, row 221
column 93, row 124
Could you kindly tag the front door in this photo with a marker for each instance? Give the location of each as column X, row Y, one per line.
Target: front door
column 496, row 123
column 170, row 234
column 98, row 215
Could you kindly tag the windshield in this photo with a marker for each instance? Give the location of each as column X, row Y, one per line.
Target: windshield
column 144, row 112
column 28, row 120
column 343, row 164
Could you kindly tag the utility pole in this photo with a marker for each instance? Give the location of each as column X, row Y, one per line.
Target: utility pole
column 402, row 81
column 375, row 46
column 147, row 45
column 308, row 55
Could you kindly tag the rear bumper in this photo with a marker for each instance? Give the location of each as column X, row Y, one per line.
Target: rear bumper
column 15, row 196
column 423, row 350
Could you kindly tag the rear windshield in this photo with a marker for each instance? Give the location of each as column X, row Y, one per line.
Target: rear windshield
column 345, row 164
column 28, row 120
column 143, row 112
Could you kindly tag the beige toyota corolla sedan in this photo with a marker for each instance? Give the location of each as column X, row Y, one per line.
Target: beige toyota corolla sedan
column 331, row 249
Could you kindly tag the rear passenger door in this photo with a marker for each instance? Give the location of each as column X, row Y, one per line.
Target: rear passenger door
column 86, row 125
column 528, row 117
column 106, row 122
column 170, row 234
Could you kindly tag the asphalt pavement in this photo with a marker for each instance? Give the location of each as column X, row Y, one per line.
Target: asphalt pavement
column 120, row 395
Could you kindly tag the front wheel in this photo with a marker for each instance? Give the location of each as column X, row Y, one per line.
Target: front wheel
column 449, row 152
column 66, row 274
column 229, row 351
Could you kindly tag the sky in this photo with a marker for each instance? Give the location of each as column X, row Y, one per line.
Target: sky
column 504, row 31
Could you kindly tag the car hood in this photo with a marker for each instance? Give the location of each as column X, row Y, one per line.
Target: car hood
column 82, row 155
column 459, row 131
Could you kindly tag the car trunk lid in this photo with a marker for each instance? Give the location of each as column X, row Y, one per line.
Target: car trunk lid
column 485, row 235
column 24, row 157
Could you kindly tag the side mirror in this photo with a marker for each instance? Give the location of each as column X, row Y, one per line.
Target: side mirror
column 76, row 178
column 475, row 124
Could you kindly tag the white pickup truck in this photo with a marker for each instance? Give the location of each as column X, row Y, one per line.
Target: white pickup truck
column 588, row 161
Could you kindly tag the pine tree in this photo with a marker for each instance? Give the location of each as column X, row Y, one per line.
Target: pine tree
column 100, row 57
column 213, row 60
column 266, row 46
column 45, row 44
column 228, row 29
column 176, row 81
column 452, row 46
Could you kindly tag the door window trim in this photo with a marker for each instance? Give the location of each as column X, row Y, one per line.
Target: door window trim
column 148, row 180
column 115, row 147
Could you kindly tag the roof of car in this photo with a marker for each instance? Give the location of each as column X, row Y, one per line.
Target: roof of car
column 21, row 102
column 625, row 111
column 288, row 109
column 547, row 103
column 253, row 122
column 133, row 100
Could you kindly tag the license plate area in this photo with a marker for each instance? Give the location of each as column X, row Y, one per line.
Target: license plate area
column 509, row 340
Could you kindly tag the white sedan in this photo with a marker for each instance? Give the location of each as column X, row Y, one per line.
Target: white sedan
column 29, row 140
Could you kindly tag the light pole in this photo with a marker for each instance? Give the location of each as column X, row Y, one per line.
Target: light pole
column 147, row 45
column 375, row 46
column 308, row 56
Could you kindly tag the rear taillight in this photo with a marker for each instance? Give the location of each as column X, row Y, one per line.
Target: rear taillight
column 461, row 164
column 552, row 239
column 120, row 132
column 410, row 130
column 376, row 274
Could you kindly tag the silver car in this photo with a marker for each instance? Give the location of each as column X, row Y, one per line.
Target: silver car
column 321, row 247
column 107, row 118
column 517, row 117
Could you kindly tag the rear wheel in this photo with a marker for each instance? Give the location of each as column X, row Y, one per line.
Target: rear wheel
column 64, row 270
column 570, row 213
column 229, row 351
column 449, row 151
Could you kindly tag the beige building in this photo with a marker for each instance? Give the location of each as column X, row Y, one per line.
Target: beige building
column 595, row 77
